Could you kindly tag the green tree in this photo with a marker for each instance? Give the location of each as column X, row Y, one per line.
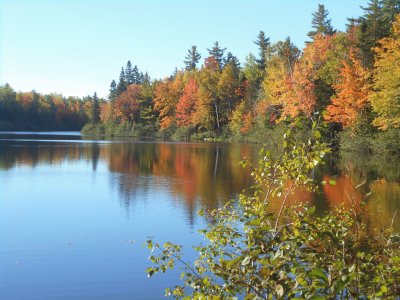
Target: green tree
column 263, row 45
column 121, row 87
column 252, row 76
column 192, row 58
column 129, row 74
column 320, row 23
column 9, row 108
column 113, row 91
column 374, row 25
column 95, row 115
column 232, row 59
column 218, row 53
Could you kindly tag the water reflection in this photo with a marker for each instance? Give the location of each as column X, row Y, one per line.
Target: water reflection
column 206, row 175
column 203, row 175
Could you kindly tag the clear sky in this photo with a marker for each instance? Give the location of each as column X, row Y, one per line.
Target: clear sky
column 76, row 47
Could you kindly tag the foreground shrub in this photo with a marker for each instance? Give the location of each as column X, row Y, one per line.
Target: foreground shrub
column 253, row 253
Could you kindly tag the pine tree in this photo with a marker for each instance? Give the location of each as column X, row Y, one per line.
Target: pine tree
column 232, row 59
column 135, row 75
column 263, row 44
column 113, row 91
column 129, row 74
column 192, row 58
column 218, row 53
column 320, row 23
column 375, row 24
column 146, row 78
column 95, row 109
column 121, row 87
column 140, row 78
column 288, row 52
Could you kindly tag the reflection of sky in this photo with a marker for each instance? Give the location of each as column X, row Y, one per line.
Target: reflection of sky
column 62, row 235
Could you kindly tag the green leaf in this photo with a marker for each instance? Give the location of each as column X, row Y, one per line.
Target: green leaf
column 332, row 182
column 246, row 261
column 319, row 273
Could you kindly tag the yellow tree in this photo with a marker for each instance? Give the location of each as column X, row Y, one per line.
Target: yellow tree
column 385, row 96
column 166, row 97
column 277, row 74
column 228, row 90
column 207, row 113
column 351, row 93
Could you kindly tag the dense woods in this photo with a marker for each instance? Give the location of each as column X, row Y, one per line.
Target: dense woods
column 33, row 111
column 348, row 78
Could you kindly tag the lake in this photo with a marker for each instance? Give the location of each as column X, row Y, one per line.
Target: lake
column 75, row 212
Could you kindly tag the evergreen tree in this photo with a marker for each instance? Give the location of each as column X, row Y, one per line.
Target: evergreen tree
column 135, row 75
column 218, row 53
column 113, row 91
column 140, row 78
column 375, row 24
column 232, row 59
column 129, row 74
column 95, row 109
column 320, row 23
column 121, row 87
column 263, row 44
column 288, row 52
column 174, row 74
column 192, row 58
column 146, row 78
column 390, row 8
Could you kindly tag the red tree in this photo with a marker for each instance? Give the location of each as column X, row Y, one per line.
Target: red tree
column 186, row 104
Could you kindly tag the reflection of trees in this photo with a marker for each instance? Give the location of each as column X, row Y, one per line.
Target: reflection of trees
column 95, row 154
column 342, row 192
column 384, row 203
column 206, row 175
column 380, row 175
column 370, row 167
column 51, row 153
column 203, row 175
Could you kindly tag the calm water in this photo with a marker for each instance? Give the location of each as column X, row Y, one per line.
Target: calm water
column 74, row 213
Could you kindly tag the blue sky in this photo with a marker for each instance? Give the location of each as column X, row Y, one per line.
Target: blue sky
column 76, row 47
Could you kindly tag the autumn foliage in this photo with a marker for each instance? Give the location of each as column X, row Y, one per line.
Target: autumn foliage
column 350, row 78
column 186, row 104
column 351, row 95
column 127, row 104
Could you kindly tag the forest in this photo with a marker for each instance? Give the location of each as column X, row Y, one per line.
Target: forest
column 348, row 79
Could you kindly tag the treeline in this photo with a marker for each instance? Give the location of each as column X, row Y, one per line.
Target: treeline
column 349, row 78
column 34, row 111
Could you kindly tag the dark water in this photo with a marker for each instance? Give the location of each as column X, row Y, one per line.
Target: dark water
column 74, row 213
